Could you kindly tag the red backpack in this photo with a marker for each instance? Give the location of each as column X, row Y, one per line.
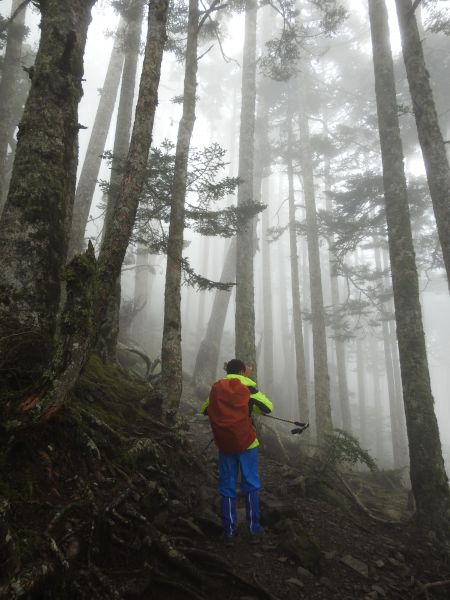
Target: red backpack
column 228, row 413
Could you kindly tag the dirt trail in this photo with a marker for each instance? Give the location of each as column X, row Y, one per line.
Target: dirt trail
column 322, row 549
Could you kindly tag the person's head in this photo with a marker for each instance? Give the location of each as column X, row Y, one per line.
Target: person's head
column 235, row 367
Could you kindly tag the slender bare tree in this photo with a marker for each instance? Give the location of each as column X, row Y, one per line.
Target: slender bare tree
column 245, row 244
column 171, row 356
column 430, row 136
column 92, row 161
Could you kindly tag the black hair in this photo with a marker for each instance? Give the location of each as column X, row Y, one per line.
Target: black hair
column 234, row 366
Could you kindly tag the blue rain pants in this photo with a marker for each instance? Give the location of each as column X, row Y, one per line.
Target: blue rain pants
column 229, row 466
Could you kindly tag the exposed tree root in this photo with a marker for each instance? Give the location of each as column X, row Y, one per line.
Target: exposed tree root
column 424, row 588
column 27, row 581
column 189, row 591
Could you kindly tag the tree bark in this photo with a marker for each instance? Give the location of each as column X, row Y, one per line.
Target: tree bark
column 428, row 477
column 118, row 235
column 171, row 358
column 107, row 342
column 10, row 69
column 428, row 129
column 245, row 245
column 42, row 188
column 92, row 161
column 321, row 376
column 302, row 389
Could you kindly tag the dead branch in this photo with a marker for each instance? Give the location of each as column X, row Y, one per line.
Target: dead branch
column 363, row 508
column 145, row 358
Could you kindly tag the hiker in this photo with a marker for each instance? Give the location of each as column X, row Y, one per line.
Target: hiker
column 231, row 402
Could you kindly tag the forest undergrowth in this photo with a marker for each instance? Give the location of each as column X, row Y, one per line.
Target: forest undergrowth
column 105, row 501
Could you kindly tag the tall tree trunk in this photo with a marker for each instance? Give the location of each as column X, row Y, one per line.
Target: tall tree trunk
column 339, row 343
column 402, row 439
column 205, row 370
column 42, row 187
column 428, row 129
column 142, row 281
column 92, row 161
column 428, row 478
column 201, row 321
column 321, row 376
column 118, row 234
column 10, row 70
column 245, row 246
column 286, row 380
column 268, row 362
column 302, row 389
column 107, row 341
column 362, row 402
column 171, row 358
column 377, row 413
column 395, row 429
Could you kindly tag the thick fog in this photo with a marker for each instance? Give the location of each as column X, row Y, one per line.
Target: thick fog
column 218, row 120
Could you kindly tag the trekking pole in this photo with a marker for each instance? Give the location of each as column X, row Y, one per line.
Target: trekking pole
column 300, row 426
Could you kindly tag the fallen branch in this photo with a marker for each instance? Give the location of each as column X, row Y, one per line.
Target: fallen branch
column 364, row 509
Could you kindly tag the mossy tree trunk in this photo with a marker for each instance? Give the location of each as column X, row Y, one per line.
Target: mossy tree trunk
column 245, row 244
column 107, row 341
column 118, row 235
column 300, row 369
column 321, row 376
column 10, row 68
column 92, row 161
column 171, row 358
column 42, row 188
column 428, row 477
column 430, row 136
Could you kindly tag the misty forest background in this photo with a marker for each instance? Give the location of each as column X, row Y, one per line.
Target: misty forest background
column 262, row 180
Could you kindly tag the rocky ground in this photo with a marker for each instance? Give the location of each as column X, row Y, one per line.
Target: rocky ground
column 106, row 502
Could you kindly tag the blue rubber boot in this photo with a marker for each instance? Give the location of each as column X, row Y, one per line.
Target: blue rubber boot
column 252, row 512
column 229, row 515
